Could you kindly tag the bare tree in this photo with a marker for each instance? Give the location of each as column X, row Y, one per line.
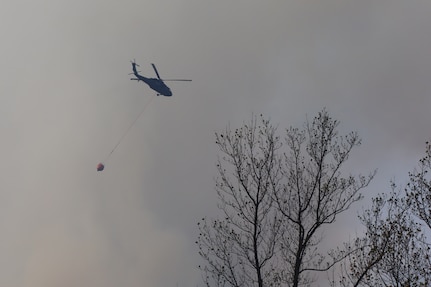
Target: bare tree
column 419, row 188
column 395, row 250
column 392, row 252
column 240, row 248
column 276, row 195
column 314, row 192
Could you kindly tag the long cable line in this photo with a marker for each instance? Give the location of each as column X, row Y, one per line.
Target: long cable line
column 101, row 165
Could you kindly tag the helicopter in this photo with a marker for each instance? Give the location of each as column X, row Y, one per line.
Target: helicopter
column 157, row 84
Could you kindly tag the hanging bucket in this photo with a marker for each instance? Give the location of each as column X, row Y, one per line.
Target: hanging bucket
column 100, row 167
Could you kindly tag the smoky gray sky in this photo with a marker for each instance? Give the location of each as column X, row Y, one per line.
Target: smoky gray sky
column 66, row 98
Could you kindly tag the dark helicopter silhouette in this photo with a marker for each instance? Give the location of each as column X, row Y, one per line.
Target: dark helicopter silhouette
column 158, row 84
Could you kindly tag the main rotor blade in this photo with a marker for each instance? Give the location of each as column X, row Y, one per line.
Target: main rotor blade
column 176, row 80
column 155, row 70
column 133, row 73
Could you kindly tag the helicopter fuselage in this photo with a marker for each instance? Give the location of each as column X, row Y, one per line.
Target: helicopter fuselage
column 156, row 84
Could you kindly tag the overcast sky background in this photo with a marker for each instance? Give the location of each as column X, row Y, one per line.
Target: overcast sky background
column 66, row 99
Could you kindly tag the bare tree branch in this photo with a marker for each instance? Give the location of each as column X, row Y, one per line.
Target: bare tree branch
column 276, row 196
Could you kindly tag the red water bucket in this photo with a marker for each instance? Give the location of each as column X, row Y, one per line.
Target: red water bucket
column 100, row 167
